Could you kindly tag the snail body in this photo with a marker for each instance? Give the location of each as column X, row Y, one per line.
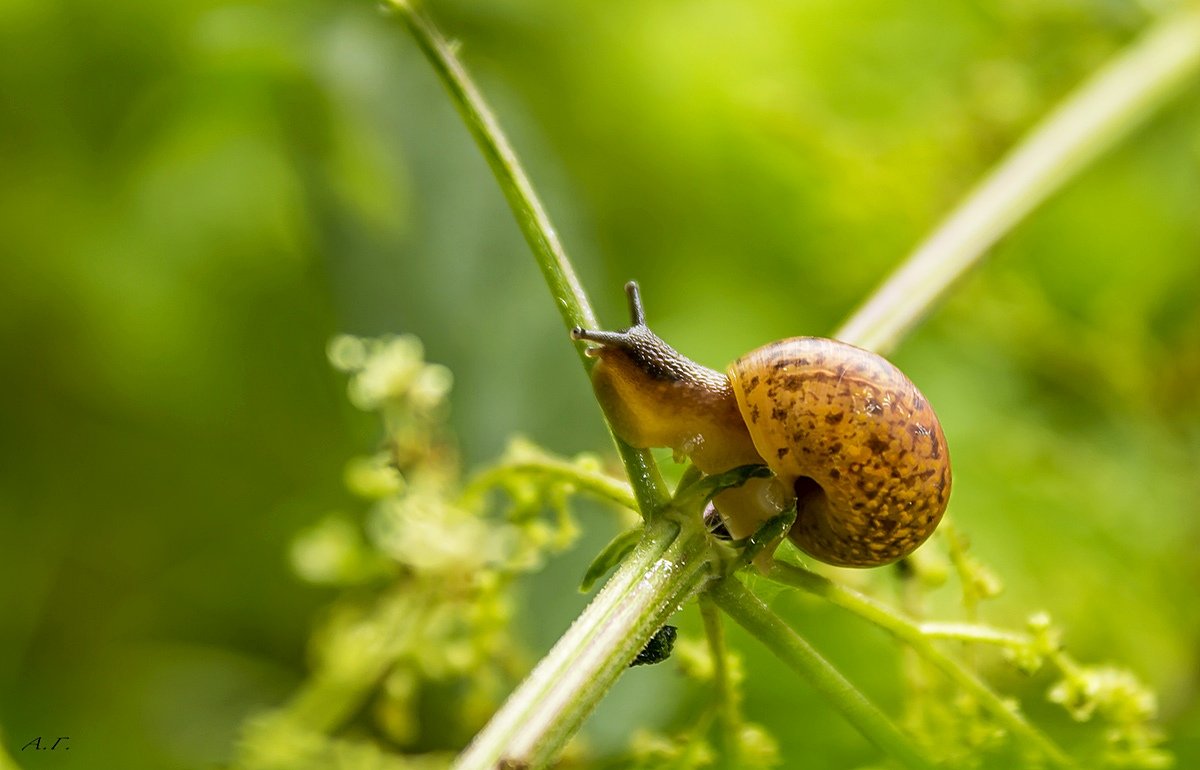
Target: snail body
column 852, row 442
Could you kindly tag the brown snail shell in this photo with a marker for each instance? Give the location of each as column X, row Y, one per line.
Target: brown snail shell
column 854, row 440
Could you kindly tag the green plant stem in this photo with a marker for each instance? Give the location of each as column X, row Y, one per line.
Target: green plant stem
column 667, row 567
column 594, row 482
column 975, row 633
column 750, row 613
column 978, row 633
column 645, row 479
column 565, row 289
column 729, row 722
column 569, row 297
column 1095, row 117
column 911, row 633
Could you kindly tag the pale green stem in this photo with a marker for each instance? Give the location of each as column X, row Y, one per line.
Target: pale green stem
column 1102, row 111
column 750, row 613
column 569, row 297
column 975, row 633
column 668, row 566
column 729, row 722
column 594, row 482
column 911, row 633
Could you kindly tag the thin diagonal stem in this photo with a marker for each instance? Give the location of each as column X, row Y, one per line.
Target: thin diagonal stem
column 600, row 484
column 569, row 296
column 911, row 633
column 565, row 289
column 1102, row 111
column 729, row 723
column 750, row 613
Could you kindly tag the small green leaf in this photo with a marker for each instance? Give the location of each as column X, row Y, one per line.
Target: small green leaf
column 708, row 487
column 609, row 557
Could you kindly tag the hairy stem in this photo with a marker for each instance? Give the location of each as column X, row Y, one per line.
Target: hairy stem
column 667, row 567
column 1094, row 118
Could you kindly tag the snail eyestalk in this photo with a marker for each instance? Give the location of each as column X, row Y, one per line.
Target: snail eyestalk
column 637, row 317
column 609, row 339
column 637, row 311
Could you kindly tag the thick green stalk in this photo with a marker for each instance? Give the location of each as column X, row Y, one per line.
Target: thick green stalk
column 750, row 613
column 668, row 566
column 1102, row 111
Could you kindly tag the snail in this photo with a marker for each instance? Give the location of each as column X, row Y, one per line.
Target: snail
column 852, row 443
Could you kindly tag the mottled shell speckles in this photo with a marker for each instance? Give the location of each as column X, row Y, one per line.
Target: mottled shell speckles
column 855, row 439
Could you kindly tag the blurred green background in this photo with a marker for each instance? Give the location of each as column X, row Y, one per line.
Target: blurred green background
column 195, row 196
